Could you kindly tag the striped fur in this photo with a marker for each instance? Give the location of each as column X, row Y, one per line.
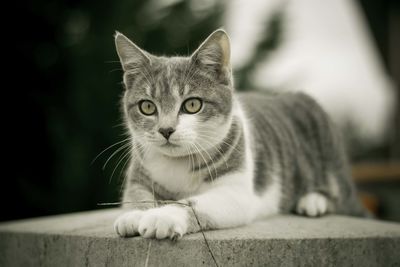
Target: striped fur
column 240, row 158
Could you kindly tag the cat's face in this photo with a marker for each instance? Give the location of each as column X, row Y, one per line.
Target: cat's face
column 178, row 105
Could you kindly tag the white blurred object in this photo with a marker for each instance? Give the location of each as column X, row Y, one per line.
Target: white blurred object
column 327, row 52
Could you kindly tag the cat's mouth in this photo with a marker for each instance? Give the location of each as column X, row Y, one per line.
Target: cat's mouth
column 169, row 144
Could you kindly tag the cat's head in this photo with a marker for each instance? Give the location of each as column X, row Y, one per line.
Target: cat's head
column 178, row 105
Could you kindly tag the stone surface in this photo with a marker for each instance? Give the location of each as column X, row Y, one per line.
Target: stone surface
column 88, row 239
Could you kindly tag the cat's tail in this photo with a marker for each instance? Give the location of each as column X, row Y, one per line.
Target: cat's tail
column 349, row 203
column 363, row 212
column 354, row 207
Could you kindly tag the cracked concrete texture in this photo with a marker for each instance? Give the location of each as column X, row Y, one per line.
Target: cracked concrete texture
column 88, row 239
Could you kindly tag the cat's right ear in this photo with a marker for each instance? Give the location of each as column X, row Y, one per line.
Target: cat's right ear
column 130, row 55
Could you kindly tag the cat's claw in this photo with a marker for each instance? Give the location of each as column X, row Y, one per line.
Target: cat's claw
column 312, row 204
column 162, row 223
column 175, row 237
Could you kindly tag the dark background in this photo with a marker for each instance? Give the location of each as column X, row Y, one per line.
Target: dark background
column 61, row 91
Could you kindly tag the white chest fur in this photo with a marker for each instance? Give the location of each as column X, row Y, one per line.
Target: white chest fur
column 172, row 173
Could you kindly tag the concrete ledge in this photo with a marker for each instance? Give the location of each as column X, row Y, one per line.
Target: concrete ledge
column 87, row 239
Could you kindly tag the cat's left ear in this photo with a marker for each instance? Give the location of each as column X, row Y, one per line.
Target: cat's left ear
column 214, row 54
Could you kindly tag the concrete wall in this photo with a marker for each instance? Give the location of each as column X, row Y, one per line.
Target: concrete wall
column 87, row 239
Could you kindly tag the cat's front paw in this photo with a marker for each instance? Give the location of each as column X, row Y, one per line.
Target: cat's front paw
column 164, row 222
column 128, row 223
column 312, row 205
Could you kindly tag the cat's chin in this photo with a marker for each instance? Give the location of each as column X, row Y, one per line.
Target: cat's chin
column 174, row 151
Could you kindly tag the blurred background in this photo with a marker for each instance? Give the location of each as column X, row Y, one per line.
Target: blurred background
column 61, row 99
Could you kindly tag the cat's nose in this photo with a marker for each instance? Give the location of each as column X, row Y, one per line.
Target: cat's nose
column 166, row 132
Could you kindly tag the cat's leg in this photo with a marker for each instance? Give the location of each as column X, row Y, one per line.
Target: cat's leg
column 313, row 191
column 137, row 198
column 228, row 202
column 168, row 221
column 312, row 204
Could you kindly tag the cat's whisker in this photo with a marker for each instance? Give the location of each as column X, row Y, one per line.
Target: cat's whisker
column 128, row 159
column 125, row 154
column 137, row 148
column 112, row 61
column 114, row 70
column 217, row 140
column 194, row 154
column 113, row 145
column 205, row 161
column 124, row 146
column 133, row 156
column 122, row 124
column 217, row 149
column 212, row 161
column 125, row 133
column 191, row 158
column 115, row 153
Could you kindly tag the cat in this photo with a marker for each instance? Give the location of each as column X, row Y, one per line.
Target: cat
column 227, row 158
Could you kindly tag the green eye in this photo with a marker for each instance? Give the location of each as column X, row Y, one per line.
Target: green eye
column 192, row 105
column 147, row 107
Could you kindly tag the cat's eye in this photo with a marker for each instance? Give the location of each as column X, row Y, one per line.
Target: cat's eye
column 147, row 107
column 192, row 105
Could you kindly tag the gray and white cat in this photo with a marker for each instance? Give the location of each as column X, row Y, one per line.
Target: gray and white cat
column 232, row 157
